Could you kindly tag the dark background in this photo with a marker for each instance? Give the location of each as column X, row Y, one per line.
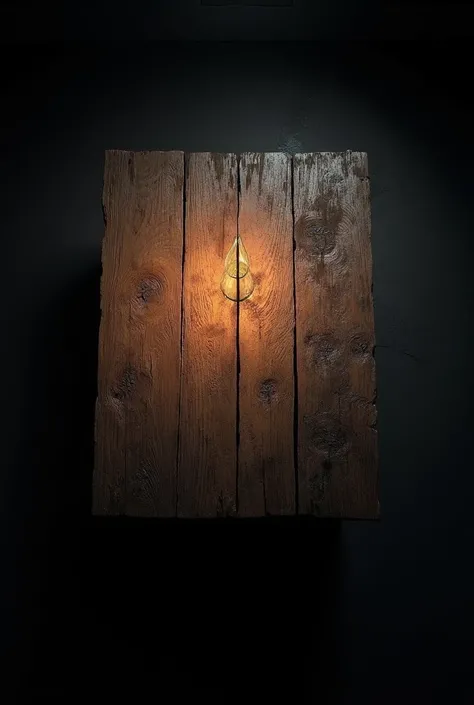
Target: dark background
column 314, row 612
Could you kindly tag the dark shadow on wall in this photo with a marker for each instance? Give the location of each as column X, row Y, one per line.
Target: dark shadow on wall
column 56, row 469
column 155, row 607
column 225, row 608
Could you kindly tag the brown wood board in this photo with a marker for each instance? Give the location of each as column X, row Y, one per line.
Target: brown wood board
column 266, row 339
column 139, row 347
column 208, row 407
column 207, row 445
column 337, row 440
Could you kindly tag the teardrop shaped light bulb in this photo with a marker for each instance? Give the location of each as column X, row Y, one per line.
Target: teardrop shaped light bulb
column 237, row 282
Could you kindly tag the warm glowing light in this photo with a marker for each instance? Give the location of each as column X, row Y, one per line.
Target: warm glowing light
column 237, row 282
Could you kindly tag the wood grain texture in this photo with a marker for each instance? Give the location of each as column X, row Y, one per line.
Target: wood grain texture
column 208, row 444
column 198, row 400
column 266, row 475
column 337, row 440
column 139, row 345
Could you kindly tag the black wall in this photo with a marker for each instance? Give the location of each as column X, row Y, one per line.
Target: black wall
column 364, row 612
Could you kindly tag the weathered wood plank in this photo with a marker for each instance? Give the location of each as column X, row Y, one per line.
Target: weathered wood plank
column 155, row 287
column 109, row 490
column 266, row 475
column 337, row 441
column 139, row 351
column 207, row 445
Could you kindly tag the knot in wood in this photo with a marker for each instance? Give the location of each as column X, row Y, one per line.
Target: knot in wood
column 149, row 289
column 360, row 345
column 316, row 235
column 268, row 391
column 126, row 384
column 326, row 434
column 323, row 347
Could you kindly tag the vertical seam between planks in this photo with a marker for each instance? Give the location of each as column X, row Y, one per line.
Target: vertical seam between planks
column 183, row 253
column 295, row 357
column 237, row 339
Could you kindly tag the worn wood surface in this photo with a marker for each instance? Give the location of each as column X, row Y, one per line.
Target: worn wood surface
column 139, row 348
column 208, row 438
column 266, row 476
column 337, row 444
column 207, row 407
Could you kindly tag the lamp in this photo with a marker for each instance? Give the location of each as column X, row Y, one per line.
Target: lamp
column 237, row 282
